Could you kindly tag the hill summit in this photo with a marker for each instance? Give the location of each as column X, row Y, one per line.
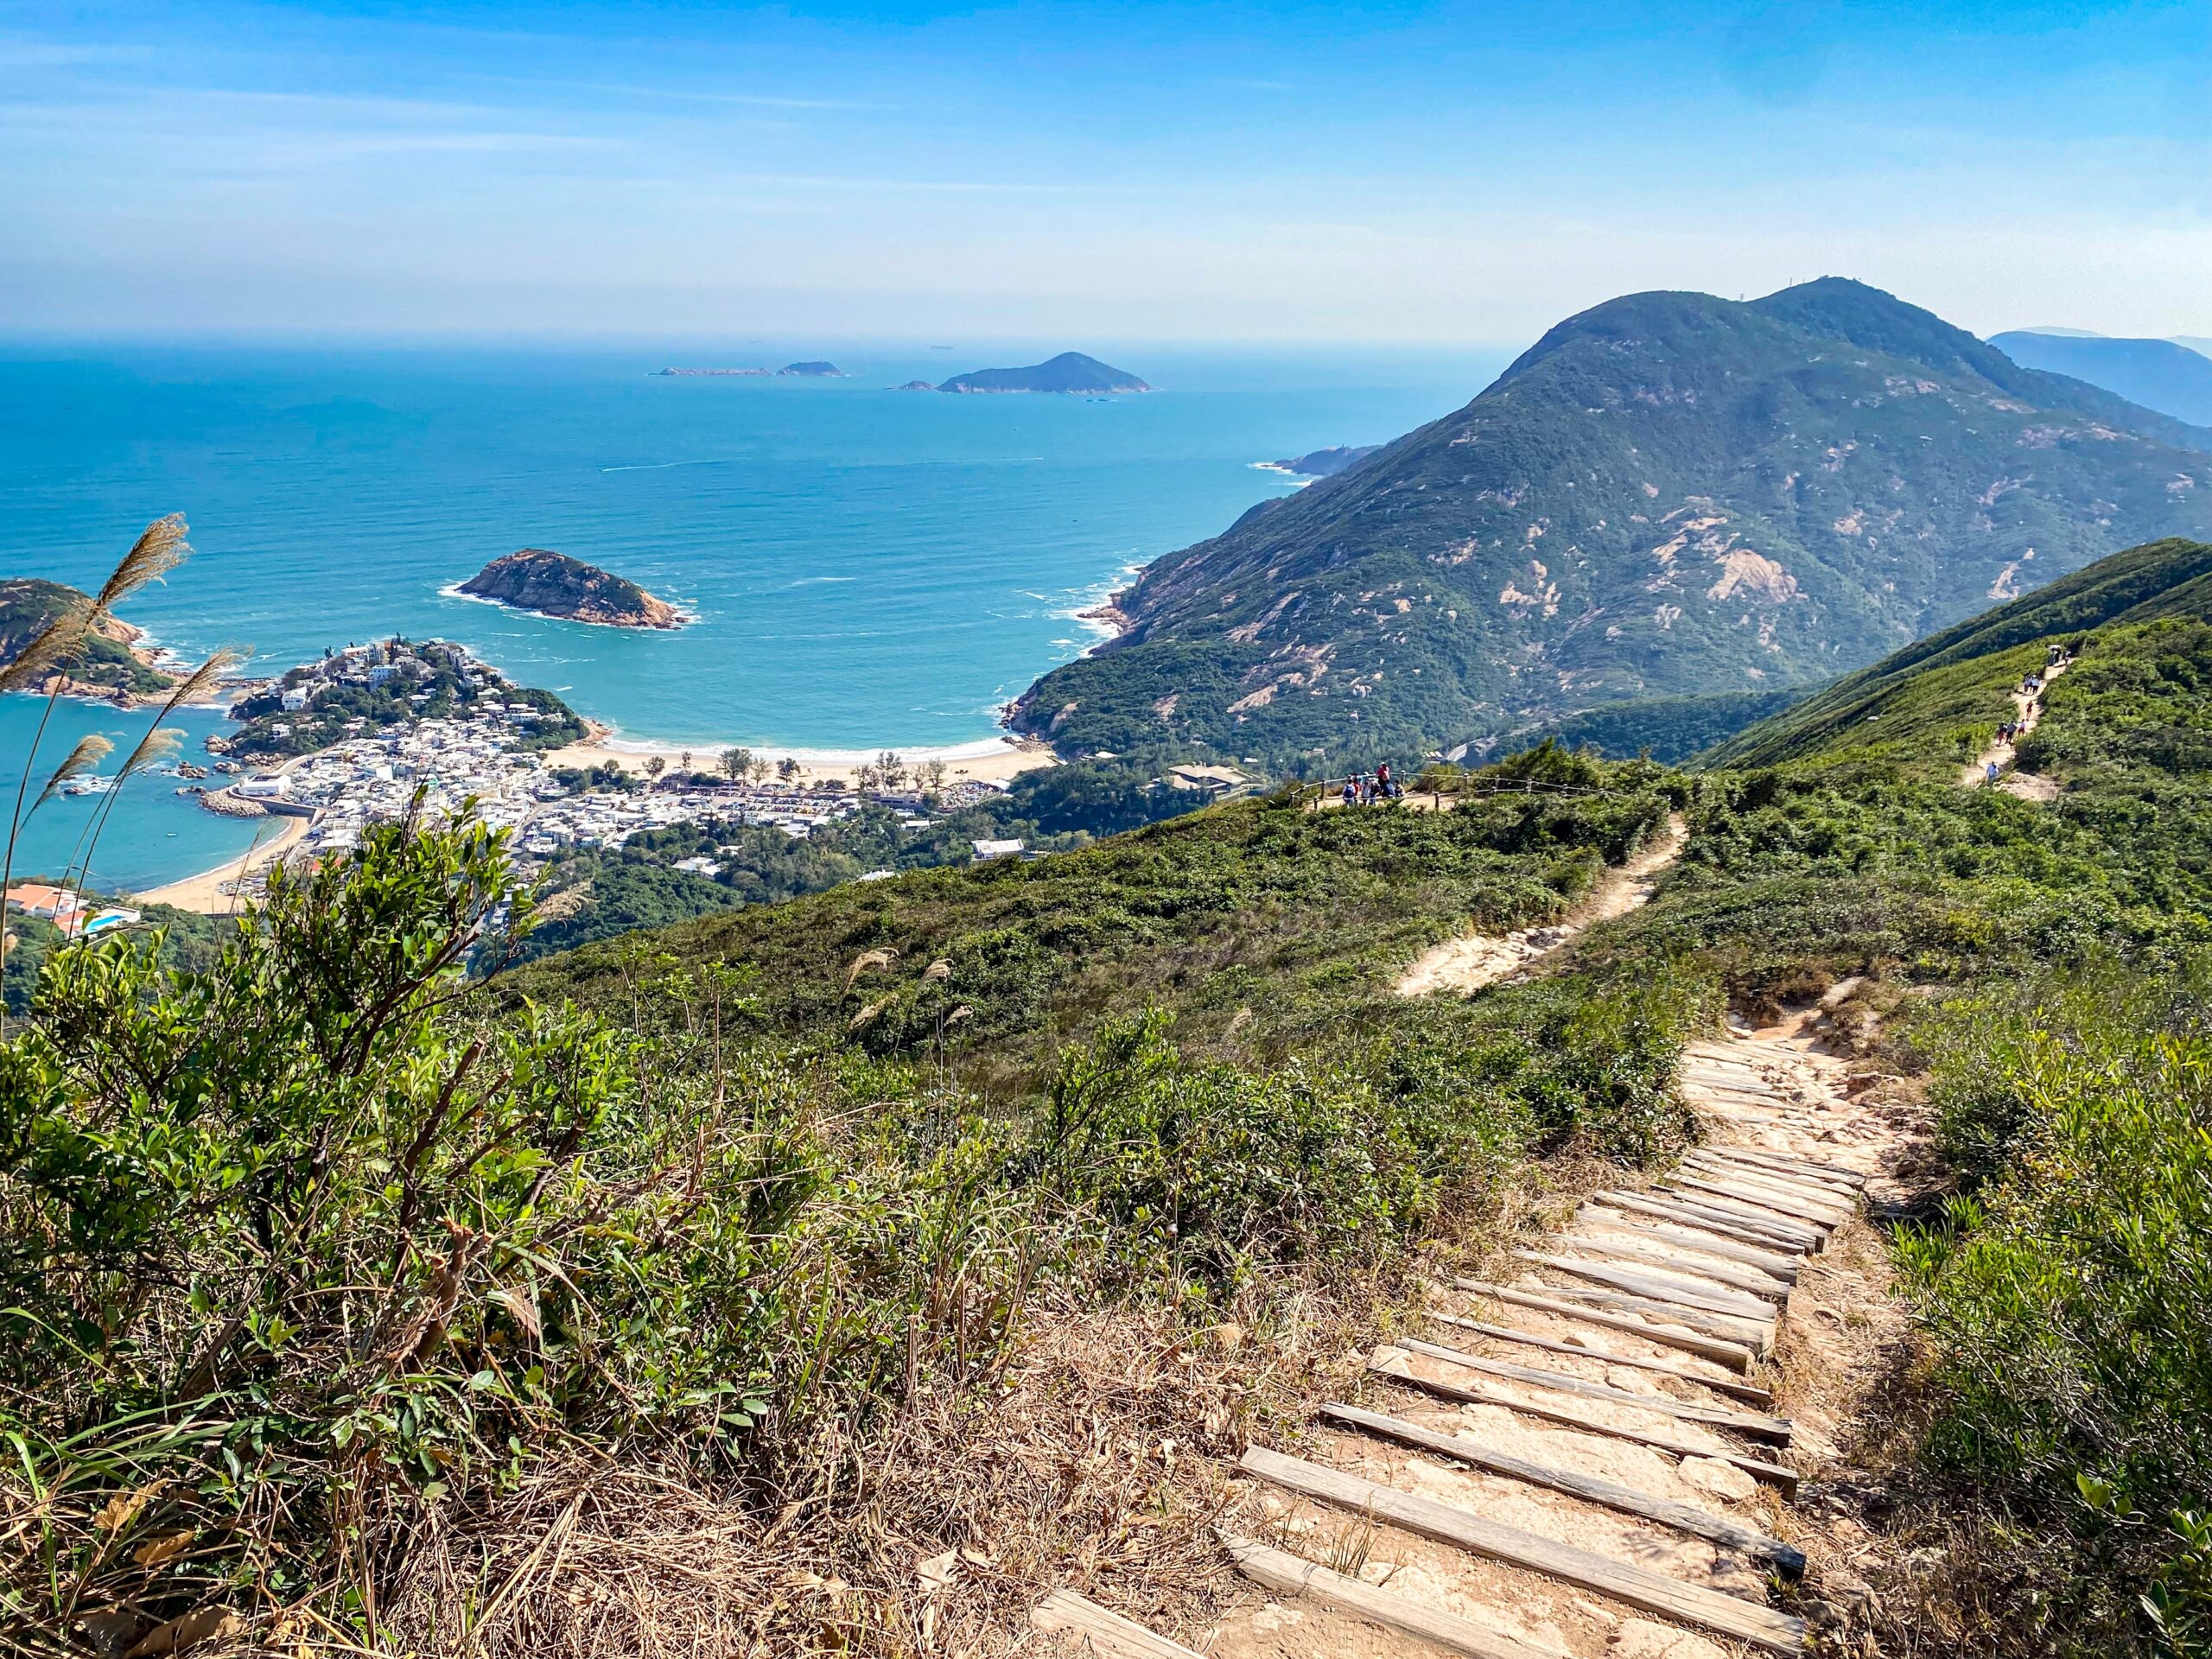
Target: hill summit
column 1068, row 371
column 1667, row 494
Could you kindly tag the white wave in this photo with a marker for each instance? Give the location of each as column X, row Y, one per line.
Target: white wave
column 662, row 466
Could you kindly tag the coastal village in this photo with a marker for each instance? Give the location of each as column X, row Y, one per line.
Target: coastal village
column 434, row 723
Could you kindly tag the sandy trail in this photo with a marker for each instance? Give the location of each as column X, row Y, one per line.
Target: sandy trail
column 1475, row 960
column 2028, row 787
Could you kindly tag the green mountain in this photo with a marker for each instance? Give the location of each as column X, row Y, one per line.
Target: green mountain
column 1667, row 495
column 2156, row 373
column 1068, row 371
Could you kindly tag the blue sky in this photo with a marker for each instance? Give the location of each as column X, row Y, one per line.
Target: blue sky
column 1463, row 173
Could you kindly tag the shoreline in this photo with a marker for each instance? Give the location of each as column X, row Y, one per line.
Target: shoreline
column 982, row 760
column 204, row 892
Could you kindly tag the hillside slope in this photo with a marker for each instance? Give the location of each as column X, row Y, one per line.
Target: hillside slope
column 1961, row 673
column 1670, row 494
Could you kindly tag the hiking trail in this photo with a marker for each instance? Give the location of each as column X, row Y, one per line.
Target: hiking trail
column 1474, row 960
column 1606, row 1453
column 2029, row 786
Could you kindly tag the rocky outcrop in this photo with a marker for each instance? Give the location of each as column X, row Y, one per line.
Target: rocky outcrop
column 553, row 584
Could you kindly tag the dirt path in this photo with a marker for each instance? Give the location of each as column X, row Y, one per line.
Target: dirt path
column 1470, row 963
column 1619, row 1454
column 2028, row 787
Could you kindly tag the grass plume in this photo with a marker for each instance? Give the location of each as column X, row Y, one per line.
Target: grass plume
column 90, row 751
column 161, row 547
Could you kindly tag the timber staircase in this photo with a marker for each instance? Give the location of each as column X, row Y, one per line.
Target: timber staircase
column 1585, row 1461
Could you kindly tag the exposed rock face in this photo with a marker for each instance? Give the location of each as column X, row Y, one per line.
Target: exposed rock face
column 554, row 584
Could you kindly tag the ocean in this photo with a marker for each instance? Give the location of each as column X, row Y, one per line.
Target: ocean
column 866, row 567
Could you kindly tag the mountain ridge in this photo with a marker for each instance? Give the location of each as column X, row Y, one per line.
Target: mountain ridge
column 1667, row 494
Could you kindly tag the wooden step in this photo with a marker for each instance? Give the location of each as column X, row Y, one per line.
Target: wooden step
column 1738, row 1192
column 1711, row 1201
column 1759, row 1337
column 1735, row 1355
column 1685, row 1215
column 1103, row 1632
column 1756, row 1425
column 1821, row 1201
column 1773, row 1262
column 1677, row 1259
column 1729, row 1304
column 1851, row 1178
column 1714, row 1529
column 1294, row 1575
column 1569, row 1415
column 1637, row 1587
column 1735, row 1388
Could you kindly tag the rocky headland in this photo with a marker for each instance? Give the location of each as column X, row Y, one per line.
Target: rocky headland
column 113, row 660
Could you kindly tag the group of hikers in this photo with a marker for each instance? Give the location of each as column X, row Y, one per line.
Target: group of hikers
column 1365, row 788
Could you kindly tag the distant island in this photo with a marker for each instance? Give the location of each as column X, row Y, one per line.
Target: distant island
column 915, row 386
column 1071, row 372
column 110, row 663
column 553, row 584
column 1321, row 463
column 815, row 370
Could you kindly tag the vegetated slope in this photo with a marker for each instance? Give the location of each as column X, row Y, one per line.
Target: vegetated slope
column 2156, row 373
column 1261, row 915
column 1670, row 494
column 1928, row 687
column 105, row 658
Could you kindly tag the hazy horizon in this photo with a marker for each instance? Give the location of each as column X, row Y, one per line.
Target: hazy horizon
column 1079, row 173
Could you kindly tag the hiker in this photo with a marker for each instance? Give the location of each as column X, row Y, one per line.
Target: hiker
column 1382, row 778
column 1351, row 792
column 1992, row 778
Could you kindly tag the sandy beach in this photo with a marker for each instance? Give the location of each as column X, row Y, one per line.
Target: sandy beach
column 205, row 892
column 991, row 760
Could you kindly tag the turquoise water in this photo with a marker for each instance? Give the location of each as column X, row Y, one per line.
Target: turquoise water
column 866, row 567
column 153, row 835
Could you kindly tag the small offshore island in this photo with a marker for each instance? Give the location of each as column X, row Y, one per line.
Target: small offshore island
column 1071, row 372
column 553, row 584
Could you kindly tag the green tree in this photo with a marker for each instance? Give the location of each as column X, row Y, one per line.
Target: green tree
column 735, row 764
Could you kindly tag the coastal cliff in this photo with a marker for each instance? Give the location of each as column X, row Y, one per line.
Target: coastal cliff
column 553, row 584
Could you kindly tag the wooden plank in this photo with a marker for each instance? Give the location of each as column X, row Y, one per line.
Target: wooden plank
column 1714, row 1529
column 1735, row 1355
column 1638, row 1588
column 1103, row 1632
column 1739, row 1192
column 1679, row 1259
column 1688, row 1215
column 1720, row 1206
column 1757, row 1426
column 1766, row 1180
column 1292, row 1575
column 1734, row 1304
column 1690, row 1338
column 1759, row 1338
column 1773, row 1263
column 1851, row 1178
column 1735, row 1388
column 1567, row 1416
